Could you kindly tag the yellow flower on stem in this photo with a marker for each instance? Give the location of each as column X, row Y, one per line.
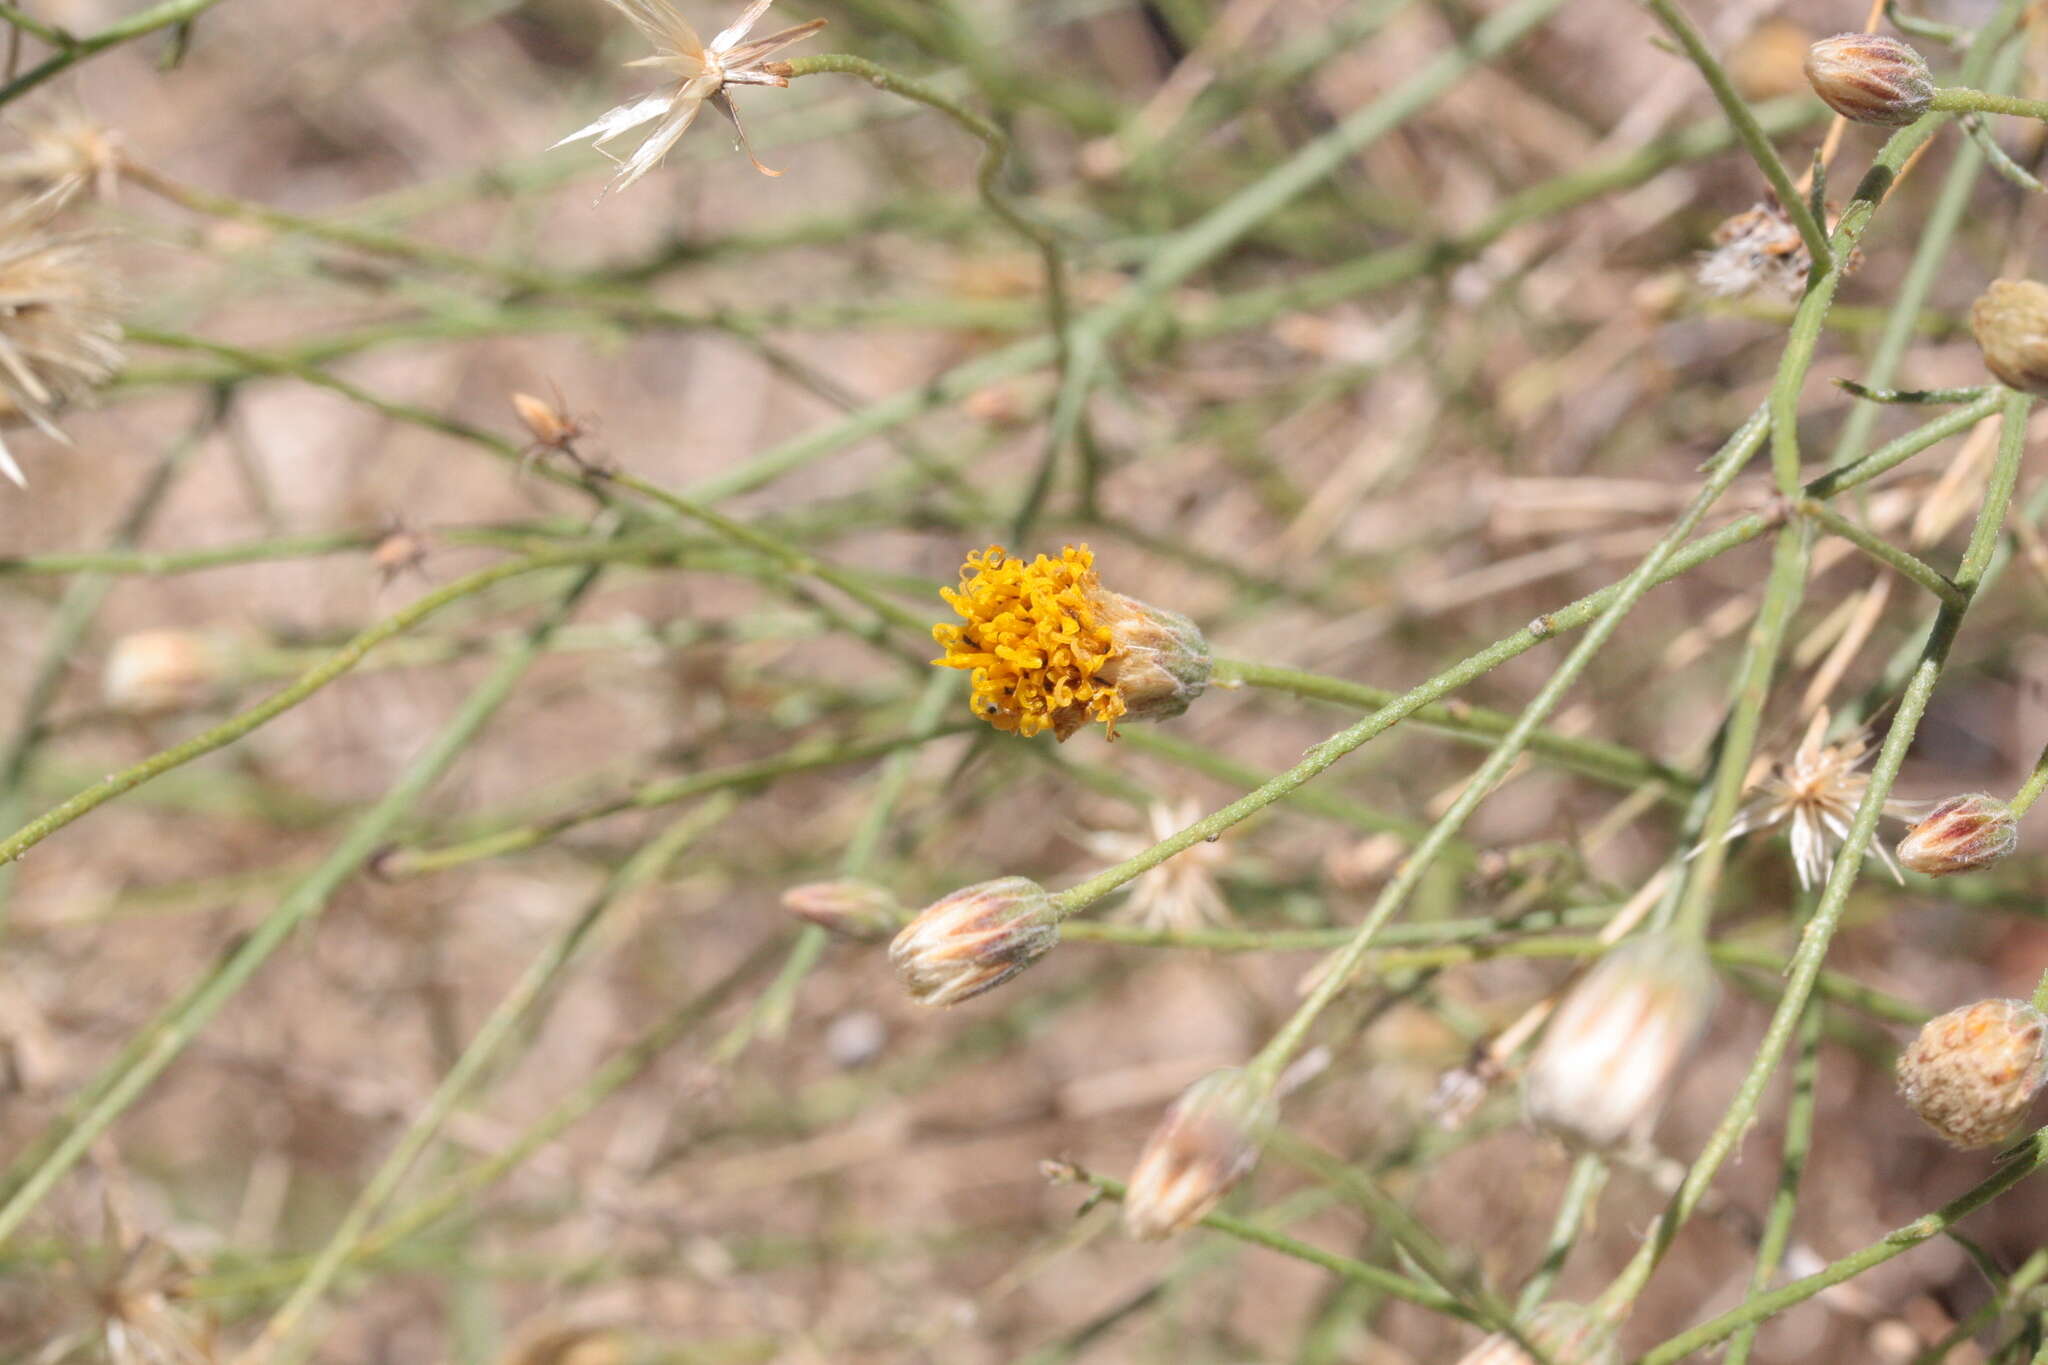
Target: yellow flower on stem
column 1047, row 647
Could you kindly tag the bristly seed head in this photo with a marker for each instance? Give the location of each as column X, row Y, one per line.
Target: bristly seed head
column 1208, row 1141
column 1870, row 78
column 975, row 939
column 702, row 72
column 1972, row 1073
column 1962, row 834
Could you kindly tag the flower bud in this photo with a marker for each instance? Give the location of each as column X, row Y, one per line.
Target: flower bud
column 1207, row 1142
column 1566, row 1333
column 2010, row 322
column 1869, row 78
column 162, row 670
column 860, row 911
column 1962, row 834
column 1603, row 1068
column 975, row 939
column 1973, row 1072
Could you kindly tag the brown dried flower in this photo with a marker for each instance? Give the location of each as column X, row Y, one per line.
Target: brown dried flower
column 1207, row 1142
column 1962, row 834
column 1870, row 78
column 1759, row 251
column 1603, row 1069
column 1815, row 792
column 702, row 72
column 2010, row 322
column 1973, row 1072
column 975, row 939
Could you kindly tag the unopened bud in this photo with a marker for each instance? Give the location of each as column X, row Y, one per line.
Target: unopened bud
column 163, row 670
column 2010, row 322
column 1603, row 1068
column 1566, row 1333
column 975, row 939
column 1207, row 1142
column 547, row 422
column 1869, row 78
column 860, row 911
column 1973, row 1072
column 1962, row 834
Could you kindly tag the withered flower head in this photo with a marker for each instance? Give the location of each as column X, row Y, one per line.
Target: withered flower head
column 975, row 939
column 1973, row 1072
column 2010, row 322
column 1870, row 78
column 1567, row 1333
column 1815, row 792
column 1962, row 834
column 1207, row 1142
column 860, row 911
column 1047, row 647
column 1603, row 1069
column 701, row 70
column 58, row 336
column 1759, row 251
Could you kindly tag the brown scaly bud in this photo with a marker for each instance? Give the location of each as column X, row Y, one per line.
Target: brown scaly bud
column 1962, row 834
column 1207, row 1142
column 1162, row 664
column 860, row 911
column 1566, row 1333
column 975, row 939
column 1973, row 1072
column 1603, row 1069
column 1869, row 78
column 2010, row 322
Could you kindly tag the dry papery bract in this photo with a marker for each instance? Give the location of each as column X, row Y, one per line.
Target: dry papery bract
column 59, row 334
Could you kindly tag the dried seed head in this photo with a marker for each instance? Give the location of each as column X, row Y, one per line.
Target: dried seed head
column 1603, row 1069
column 64, row 151
column 1567, row 1333
column 2010, row 322
column 1962, row 834
column 1760, row 251
column 1973, row 1072
column 1869, row 78
column 163, row 670
column 1207, row 1142
column 58, row 336
column 1048, row 648
column 860, row 911
column 975, row 939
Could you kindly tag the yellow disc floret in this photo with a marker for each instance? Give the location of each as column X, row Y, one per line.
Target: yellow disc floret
column 1036, row 641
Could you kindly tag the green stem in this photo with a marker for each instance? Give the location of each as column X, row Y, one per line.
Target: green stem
column 124, row 1079
column 2029, row 1157
column 1958, row 99
column 336, row 664
column 1819, row 932
column 1612, row 763
column 1336, row 972
column 2030, row 791
column 1901, row 561
column 1737, row 109
column 72, row 49
column 279, row 1339
column 1791, row 1167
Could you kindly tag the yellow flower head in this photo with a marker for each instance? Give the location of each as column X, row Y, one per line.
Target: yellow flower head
column 1048, row 648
